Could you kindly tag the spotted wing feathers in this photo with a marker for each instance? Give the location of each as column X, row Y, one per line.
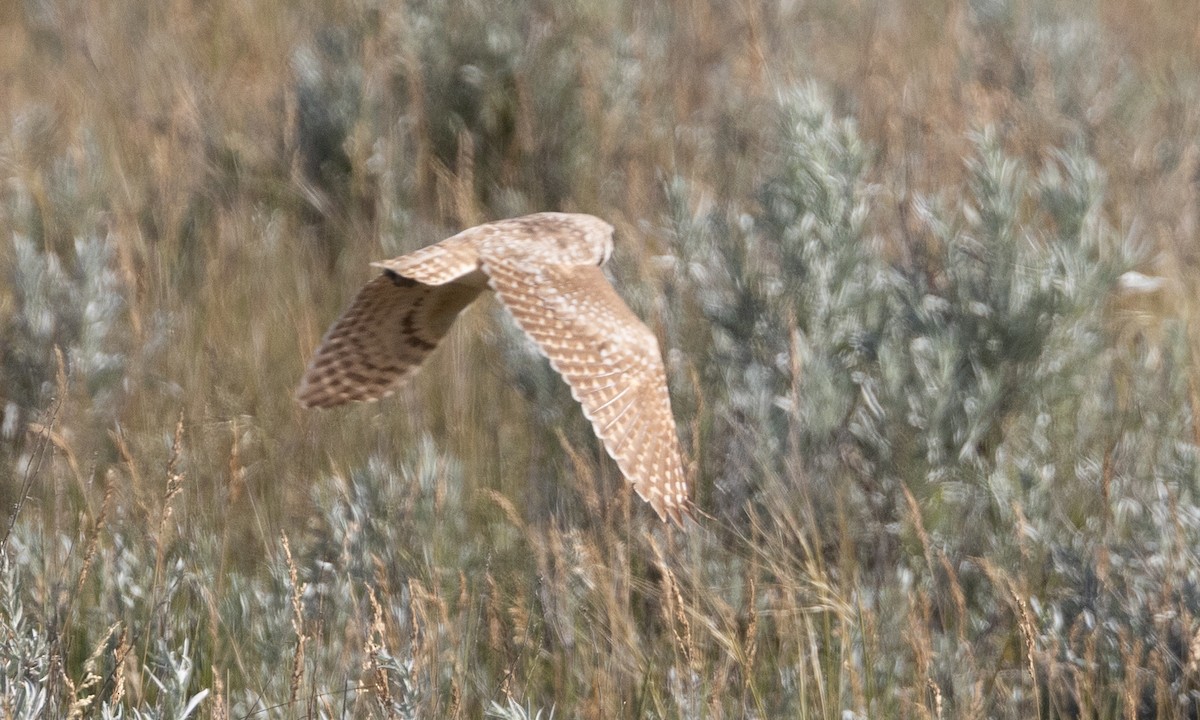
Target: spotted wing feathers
column 612, row 364
column 437, row 264
column 544, row 268
column 390, row 327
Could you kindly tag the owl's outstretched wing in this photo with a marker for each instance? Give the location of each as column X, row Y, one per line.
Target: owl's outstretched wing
column 612, row 363
column 390, row 327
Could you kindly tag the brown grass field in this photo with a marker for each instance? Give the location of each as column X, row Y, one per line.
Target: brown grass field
column 925, row 273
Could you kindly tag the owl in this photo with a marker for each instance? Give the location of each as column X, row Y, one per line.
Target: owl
column 545, row 269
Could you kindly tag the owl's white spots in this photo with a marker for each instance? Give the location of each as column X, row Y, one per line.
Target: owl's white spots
column 545, row 268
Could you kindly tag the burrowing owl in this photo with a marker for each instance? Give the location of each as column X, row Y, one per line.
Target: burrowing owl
column 545, row 268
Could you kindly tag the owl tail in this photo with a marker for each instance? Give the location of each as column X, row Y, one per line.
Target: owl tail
column 452, row 259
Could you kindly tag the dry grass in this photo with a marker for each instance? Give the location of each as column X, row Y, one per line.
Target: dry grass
column 948, row 447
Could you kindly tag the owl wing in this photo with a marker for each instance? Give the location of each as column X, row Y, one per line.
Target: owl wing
column 612, row 364
column 390, row 327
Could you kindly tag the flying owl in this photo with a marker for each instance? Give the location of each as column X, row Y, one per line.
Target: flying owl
column 545, row 268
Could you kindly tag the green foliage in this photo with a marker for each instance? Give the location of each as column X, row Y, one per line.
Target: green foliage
column 971, row 400
column 942, row 433
column 76, row 308
column 25, row 652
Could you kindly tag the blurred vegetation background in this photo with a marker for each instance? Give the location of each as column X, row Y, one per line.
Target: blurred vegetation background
column 925, row 272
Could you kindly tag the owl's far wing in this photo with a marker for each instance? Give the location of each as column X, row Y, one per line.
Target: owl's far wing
column 390, row 327
column 612, row 364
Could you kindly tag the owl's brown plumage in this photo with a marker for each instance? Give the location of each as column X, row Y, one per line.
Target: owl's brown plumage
column 545, row 268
